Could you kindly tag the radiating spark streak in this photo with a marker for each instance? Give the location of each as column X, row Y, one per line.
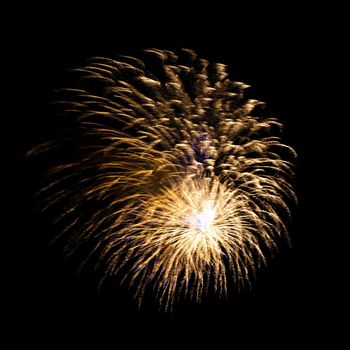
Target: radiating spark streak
column 173, row 180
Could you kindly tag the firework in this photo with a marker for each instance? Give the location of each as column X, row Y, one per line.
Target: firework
column 167, row 175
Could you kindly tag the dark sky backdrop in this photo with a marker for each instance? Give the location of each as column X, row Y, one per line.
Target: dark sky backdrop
column 280, row 58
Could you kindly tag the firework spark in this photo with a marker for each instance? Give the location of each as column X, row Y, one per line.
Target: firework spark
column 168, row 175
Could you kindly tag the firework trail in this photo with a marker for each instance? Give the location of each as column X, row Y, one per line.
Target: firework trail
column 168, row 175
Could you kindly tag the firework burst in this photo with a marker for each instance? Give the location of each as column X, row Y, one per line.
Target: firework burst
column 167, row 173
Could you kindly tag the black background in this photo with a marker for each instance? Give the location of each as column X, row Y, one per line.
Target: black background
column 284, row 56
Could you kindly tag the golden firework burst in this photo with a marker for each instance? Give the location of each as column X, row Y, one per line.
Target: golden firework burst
column 168, row 174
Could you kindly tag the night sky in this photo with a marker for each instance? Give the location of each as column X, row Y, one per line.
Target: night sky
column 293, row 300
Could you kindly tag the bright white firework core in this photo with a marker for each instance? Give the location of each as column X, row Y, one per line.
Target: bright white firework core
column 204, row 219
